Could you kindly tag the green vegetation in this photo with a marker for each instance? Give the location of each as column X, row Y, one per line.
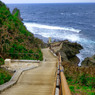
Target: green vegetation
column 1, row 61
column 16, row 14
column 15, row 38
column 81, row 80
column 4, row 76
column 16, row 42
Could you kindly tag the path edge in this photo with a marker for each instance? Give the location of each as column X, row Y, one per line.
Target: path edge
column 15, row 78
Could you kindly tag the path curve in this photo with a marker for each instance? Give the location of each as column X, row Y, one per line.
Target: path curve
column 38, row 81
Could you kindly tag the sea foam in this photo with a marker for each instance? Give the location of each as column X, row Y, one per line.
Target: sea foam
column 54, row 31
column 31, row 25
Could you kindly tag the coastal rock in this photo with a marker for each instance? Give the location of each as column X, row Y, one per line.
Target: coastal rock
column 17, row 13
column 68, row 51
column 71, row 49
column 89, row 61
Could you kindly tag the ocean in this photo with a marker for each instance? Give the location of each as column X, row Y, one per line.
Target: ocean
column 74, row 22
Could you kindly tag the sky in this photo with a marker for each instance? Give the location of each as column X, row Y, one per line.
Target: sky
column 46, row 1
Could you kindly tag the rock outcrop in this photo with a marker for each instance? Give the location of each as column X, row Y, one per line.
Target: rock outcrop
column 89, row 61
column 17, row 13
column 68, row 51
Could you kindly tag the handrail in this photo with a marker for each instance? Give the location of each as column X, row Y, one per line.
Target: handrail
column 63, row 87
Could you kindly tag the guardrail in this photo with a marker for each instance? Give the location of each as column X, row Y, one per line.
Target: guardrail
column 62, row 85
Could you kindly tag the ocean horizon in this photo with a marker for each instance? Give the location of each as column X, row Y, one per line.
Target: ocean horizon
column 53, row 3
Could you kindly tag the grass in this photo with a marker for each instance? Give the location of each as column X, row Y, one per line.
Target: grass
column 81, row 80
column 5, row 76
column 83, row 90
column 15, row 38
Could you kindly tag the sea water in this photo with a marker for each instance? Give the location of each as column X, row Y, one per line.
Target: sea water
column 74, row 22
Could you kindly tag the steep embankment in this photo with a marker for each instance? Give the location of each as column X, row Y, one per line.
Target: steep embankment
column 16, row 42
column 14, row 37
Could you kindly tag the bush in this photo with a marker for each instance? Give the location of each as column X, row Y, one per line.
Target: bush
column 91, row 81
column 83, row 79
column 9, row 27
column 4, row 76
column 72, row 88
column 0, row 21
column 1, row 61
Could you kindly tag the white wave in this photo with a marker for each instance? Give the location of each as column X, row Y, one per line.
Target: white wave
column 53, row 31
column 75, row 13
column 34, row 25
column 73, row 38
column 62, row 13
column 93, row 25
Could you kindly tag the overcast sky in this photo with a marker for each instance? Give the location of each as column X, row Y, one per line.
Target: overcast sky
column 46, row 1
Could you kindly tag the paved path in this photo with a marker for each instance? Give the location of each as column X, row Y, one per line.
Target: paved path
column 38, row 81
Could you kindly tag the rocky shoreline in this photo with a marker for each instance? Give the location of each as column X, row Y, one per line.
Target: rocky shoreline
column 68, row 51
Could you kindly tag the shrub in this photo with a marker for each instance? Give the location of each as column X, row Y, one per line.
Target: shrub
column 1, row 61
column 9, row 27
column 0, row 22
column 72, row 88
column 91, row 81
column 83, row 79
column 4, row 76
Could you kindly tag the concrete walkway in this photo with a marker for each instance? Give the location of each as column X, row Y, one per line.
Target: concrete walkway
column 39, row 81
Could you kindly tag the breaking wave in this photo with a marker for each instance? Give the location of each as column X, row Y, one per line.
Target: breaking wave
column 31, row 25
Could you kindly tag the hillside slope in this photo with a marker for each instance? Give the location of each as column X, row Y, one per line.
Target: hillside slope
column 16, row 41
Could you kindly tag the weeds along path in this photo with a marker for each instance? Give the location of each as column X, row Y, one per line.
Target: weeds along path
column 38, row 81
